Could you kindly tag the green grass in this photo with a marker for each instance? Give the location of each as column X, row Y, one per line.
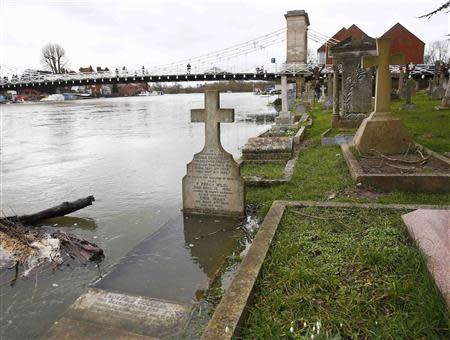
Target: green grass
column 428, row 126
column 272, row 170
column 354, row 272
column 322, row 171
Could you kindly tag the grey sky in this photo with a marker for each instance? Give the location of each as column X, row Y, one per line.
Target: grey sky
column 137, row 32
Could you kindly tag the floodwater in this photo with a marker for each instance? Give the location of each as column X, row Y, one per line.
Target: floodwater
column 131, row 154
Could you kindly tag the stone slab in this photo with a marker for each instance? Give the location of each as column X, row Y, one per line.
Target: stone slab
column 268, row 145
column 125, row 313
column 431, row 231
column 70, row 329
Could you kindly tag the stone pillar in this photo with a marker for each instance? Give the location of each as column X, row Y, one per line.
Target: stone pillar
column 297, row 37
column 284, row 95
column 335, row 90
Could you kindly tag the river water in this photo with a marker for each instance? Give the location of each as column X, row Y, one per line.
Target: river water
column 130, row 153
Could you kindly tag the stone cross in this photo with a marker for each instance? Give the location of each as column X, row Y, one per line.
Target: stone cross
column 213, row 185
column 381, row 131
column 212, row 115
column 322, row 88
column 383, row 79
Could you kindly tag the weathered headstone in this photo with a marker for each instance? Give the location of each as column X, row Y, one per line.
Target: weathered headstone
column 322, row 94
column 213, row 185
column 285, row 119
column 381, row 131
column 401, row 82
column 445, row 104
column 410, row 86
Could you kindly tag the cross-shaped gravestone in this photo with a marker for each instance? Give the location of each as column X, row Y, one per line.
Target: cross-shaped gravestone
column 212, row 115
column 213, row 185
column 381, row 131
column 383, row 79
column 322, row 93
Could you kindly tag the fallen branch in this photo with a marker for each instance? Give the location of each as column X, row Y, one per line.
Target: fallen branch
column 59, row 210
column 401, row 160
column 400, row 167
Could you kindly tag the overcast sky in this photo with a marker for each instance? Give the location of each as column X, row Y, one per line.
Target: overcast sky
column 151, row 32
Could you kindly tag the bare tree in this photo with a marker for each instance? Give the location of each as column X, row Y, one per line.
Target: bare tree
column 437, row 51
column 437, row 10
column 54, row 58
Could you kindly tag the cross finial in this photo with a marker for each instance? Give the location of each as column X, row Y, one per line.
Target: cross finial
column 383, row 82
column 212, row 115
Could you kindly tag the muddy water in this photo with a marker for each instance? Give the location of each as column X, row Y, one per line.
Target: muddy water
column 130, row 153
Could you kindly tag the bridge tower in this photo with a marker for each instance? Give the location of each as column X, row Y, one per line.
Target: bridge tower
column 297, row 37
column 295, row 68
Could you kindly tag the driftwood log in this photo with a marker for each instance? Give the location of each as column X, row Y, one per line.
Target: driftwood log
column 75, row 247
column 56, row 211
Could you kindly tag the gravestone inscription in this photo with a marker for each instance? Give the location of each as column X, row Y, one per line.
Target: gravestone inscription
column 213, row 185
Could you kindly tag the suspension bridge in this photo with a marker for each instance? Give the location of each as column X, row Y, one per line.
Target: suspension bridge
column 220, row 65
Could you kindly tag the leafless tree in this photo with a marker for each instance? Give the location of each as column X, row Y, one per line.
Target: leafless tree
column 437, row 10
column 437, row 51
column 54, row 58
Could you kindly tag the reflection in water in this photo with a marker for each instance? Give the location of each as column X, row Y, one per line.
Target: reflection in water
column 179, row 261
column 71, row 222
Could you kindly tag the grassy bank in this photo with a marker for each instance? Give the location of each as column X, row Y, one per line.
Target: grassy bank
column 350, row 273
column 321, row 172
column 345, row 272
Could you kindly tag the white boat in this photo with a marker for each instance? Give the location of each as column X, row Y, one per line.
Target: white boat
column 53, row 98
column 143, row 94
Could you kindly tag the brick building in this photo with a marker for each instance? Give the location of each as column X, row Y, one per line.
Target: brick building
column 344, row 33
column 402, row 41
column 406, row 42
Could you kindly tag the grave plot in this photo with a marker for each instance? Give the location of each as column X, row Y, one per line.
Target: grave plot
column 383, row 153
column 334, row 270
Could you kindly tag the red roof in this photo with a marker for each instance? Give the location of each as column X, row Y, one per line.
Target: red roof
column 344, row 33
column 405, row 41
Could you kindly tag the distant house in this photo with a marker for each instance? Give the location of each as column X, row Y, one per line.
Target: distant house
column 405, row 41
column 86, row 69
column 323, row 51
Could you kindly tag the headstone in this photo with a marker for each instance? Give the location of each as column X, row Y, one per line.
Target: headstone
column 356, row 82
column 401, row 82
column 410, row 86
column 322, row 94
column 381, row 131
column 285, row 119
column 445, row 103
column 213, row 185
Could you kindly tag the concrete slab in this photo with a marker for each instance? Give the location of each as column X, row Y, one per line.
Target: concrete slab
column 431, row 231
column 101, row 313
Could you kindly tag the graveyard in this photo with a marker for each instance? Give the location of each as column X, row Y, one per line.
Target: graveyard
column 228, row 216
